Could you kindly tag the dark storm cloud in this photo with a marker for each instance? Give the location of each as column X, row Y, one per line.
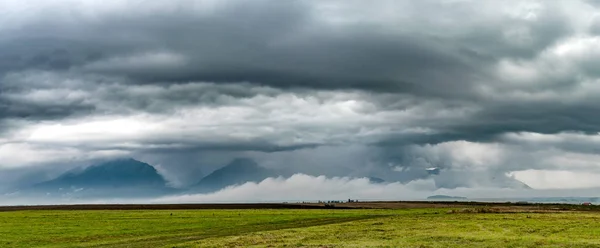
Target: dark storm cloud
column 595, row 27
column 544, row 118
column 172, row 145
column 161, row 99
column 34, row 99
column 279, row 77
column 281, row 44
column 29, row 110
column 489, row 125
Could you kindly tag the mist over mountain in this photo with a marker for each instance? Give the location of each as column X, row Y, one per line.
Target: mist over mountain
column 465, row 179
column 131, row 179
column 238, row 171
column 116, row 178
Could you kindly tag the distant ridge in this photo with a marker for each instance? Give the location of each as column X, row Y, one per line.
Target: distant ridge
column 238, row 171
column 121, row 177
column 445, row 197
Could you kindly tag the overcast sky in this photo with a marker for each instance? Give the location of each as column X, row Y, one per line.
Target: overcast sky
column 488, row 91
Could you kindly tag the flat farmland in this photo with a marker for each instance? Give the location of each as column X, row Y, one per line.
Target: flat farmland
column 421, row 225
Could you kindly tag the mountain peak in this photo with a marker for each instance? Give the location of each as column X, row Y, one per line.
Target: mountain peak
column 118, row 173
column 239, row 170
column 242, row 163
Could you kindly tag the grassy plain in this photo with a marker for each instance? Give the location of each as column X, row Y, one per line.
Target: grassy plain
column 297, row 228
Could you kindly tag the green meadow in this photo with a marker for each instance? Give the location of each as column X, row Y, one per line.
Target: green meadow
column 297, row 228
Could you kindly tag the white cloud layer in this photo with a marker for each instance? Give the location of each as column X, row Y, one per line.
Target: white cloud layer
column 309, row 188
column 305, row 188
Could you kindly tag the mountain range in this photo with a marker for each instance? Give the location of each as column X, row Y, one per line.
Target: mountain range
column 126, row 178
column 239, row 171
column 117, row 178
column 129, row 178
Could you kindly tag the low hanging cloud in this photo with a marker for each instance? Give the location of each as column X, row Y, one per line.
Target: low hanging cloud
column 306, row 188
column 558, row 179
column 302, row 187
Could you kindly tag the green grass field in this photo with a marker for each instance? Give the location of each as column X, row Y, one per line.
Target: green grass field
column 297, row 228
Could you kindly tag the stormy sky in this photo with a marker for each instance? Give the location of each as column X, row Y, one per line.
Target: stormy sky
column 487, row 91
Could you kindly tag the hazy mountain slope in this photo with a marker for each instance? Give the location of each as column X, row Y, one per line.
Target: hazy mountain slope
column 238, row 171
column 117, row 178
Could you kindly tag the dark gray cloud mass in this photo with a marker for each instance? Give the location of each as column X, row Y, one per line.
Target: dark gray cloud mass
column 477, row 88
